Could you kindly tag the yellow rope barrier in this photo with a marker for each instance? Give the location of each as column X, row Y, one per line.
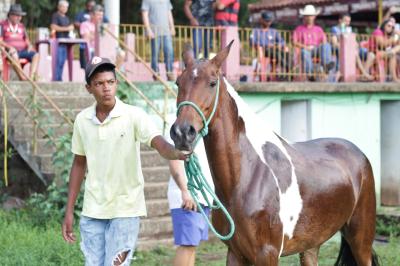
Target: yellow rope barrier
column 5, row 155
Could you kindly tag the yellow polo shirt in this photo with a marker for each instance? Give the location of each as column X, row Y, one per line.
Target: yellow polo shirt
column 114, row 184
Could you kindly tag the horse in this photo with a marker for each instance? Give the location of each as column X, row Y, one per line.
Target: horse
column 285, row 198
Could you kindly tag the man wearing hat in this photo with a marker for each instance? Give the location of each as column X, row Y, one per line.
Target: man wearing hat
column 269, row 42
column 312, row 41
column 106, row 142
column 15, row 40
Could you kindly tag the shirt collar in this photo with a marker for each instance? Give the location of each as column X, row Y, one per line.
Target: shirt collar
column 115, row 112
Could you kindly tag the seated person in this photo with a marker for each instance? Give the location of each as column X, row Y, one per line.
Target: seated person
column 15, row 40
column 269, row 42
column 312, row 41
column 385, row 43
column 344, row 27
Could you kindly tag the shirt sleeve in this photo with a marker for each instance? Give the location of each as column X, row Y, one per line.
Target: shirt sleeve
column 170, row 5
column 145, row 6
column 145, row 129
column 83, row 29
column 76, row 143
column 296, row 35
column 54, row 19
column 227, row 2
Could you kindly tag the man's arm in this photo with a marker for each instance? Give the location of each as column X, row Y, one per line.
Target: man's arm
column 171, row 23
column 55, row 27
column 166, row 150
column 146, row 22
column 178, row 174
column 186, row 8
column 77, row 175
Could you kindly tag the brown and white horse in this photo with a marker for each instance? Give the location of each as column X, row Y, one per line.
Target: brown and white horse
column 284, row 198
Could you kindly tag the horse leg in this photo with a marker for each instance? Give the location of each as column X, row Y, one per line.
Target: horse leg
column 309, row 257
column 359, row 231
column 268, row 255
column 233, row 260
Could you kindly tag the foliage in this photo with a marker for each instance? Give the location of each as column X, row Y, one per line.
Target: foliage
column 388, row 225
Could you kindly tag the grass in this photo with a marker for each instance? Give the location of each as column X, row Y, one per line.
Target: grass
column 23, row 243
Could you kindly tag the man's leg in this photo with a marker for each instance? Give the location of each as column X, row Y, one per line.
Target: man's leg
column 61, row 57
column 18, row 70
column 168, row 56
column 185, row 256
column 325, row 51
column 33, row 58
column 155, row 47
column 121, row 237
column 93, row 240
column 196, row 41
column 306, row 60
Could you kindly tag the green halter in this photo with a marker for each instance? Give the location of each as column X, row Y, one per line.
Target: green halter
column 196, row 179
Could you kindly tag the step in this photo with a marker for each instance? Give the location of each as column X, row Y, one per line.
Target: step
column 155, row 190
column 18, row 116
column 66, row 102
column 60, row 89
column 25, row 131
column 154, row 226
column 157, row 207
column 151, row 158
column 156, row 174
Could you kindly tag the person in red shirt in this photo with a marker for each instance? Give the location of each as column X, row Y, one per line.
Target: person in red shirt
column 226, row 12
column 15, row 40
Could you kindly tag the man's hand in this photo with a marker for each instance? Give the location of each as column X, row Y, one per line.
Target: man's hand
column 150, row 34
column 67, row 228
column 188, row 202
column 173, row 31
column 194, row 22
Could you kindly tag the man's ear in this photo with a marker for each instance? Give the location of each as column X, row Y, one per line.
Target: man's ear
column 88, row 88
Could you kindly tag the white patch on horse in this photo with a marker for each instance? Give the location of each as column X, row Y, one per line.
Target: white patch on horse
column 258, row 133
column 195, row 73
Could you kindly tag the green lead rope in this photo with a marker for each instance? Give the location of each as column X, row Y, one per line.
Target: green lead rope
column 196, row 179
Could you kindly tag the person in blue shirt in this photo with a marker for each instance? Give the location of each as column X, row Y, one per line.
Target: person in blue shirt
column 269, row 42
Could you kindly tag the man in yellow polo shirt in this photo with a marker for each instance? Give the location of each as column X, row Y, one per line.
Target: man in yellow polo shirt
column 106, row 142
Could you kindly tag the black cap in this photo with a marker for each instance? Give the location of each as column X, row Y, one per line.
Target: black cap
column 267, row 15
column 96, row 62
column 16, row 9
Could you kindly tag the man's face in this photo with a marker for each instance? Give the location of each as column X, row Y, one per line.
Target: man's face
column 265, row 23
column 346, row 21
column 15, row 19
column 103, row 86
column 98, row 16
column 309, row 20
column 63, row 8
column 90, row 5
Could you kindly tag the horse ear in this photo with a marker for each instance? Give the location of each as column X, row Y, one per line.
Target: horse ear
column 188, row 55
column 221, row 56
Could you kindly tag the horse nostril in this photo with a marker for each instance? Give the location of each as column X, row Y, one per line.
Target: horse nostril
column 173, row 132
column 191, row 133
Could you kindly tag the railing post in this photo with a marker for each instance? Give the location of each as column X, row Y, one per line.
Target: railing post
column 231, row 66
column 347, row 57
column 130, row 58
column 106, row 45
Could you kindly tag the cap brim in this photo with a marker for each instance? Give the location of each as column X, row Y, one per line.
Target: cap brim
column 17, row 13
column 96, row 67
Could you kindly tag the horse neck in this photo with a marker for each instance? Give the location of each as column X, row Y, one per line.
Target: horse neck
column 222, row 145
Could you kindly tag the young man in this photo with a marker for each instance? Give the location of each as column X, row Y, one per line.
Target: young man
column 189, row 225
column 15, row 40
column 105, row 142
column 87, row 28
column 159, row 23
column 61, row 26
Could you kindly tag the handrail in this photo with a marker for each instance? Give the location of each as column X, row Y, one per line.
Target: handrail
column 51, row 102
column 170, row 90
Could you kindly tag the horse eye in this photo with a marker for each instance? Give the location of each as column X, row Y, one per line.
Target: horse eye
column 213, row 83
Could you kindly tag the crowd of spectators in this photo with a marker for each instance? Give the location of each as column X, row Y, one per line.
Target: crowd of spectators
column 309, row 49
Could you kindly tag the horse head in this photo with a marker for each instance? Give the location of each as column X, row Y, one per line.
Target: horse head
column 198, row 85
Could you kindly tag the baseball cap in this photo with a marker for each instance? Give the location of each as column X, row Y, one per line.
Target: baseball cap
column 267, row 15
column 95, row 63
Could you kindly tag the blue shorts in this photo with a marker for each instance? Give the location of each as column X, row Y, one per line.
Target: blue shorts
column 26, row 55
column 103, row 239
column 190, row 227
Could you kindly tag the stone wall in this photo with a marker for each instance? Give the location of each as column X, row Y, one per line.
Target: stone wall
column 4, row 7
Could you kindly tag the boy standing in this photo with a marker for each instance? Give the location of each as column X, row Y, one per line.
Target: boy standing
column 106, row 142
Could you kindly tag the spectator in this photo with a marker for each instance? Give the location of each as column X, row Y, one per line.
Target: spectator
column 63, row 28
column 189, row 225
column 385, row 43
column 114, row 192
column 344, row 27
column 200, row 13
column 389, row 15
column 15, row 40
column 88, row 28
column 159, row 23
column 269, row 42
column 227, row 12
column 82, row 16
column 312, row 41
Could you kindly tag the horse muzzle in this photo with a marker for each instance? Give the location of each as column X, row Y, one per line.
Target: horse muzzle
column 183, row 136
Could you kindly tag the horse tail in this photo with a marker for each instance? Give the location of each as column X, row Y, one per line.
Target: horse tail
column 346, row 258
